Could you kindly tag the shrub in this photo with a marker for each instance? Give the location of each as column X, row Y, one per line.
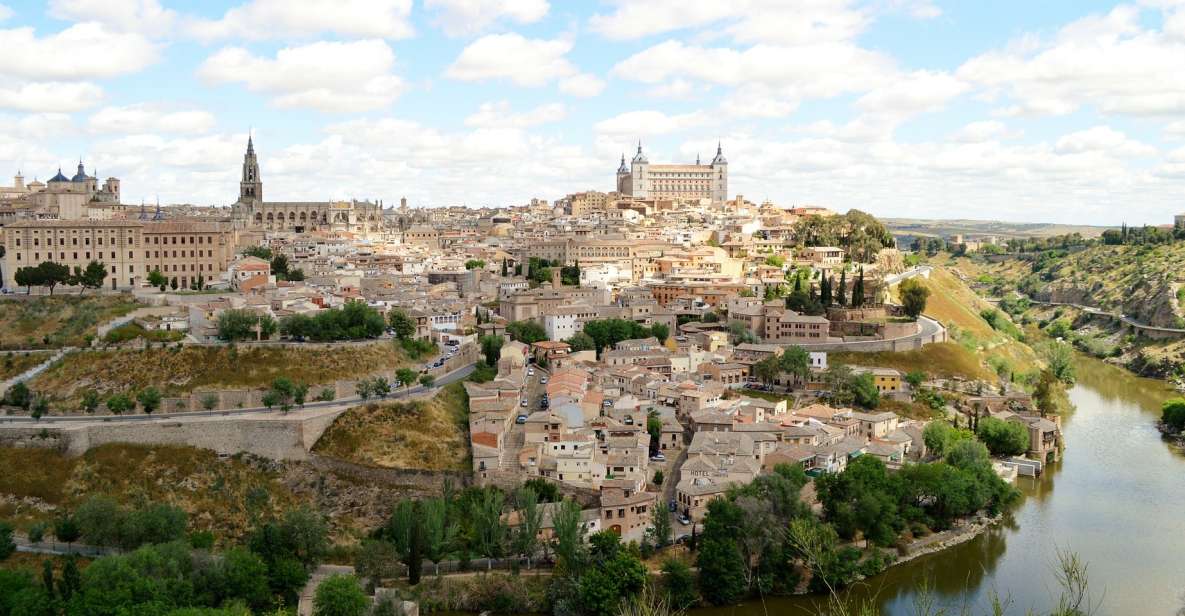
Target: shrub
column 1173, row 414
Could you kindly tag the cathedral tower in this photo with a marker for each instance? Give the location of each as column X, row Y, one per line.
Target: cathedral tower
column 251, row 186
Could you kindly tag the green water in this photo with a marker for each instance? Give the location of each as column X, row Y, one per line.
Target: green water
column 1117, row 499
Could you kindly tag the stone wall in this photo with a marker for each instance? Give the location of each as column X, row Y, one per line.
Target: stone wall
column 415, row 480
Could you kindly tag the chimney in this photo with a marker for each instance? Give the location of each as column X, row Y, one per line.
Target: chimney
column 556, row 279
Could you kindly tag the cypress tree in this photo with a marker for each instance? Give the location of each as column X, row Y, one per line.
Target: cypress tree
column 797, row 282
column 858, row 290
column 825, row 291
column 842, row 290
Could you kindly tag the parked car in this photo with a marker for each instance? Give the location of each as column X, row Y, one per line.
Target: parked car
column 672, row 506
column 521, row 419
column 658, row 457
column 453, row 343
column 607, row 403
column 530, row 372
column 543, row 381
column 684, row 520
column 523, row 402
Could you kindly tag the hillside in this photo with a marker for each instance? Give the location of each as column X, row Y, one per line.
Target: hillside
column 176, row 371
column 423, row 434
column 57, row 321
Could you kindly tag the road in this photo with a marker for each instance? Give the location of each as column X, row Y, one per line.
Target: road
column 895, row 279
column 448, row 379
column 1126, row 320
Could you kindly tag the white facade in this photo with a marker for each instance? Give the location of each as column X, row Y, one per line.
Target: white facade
column 818, row 359
column 643, row 180
column 561, row 326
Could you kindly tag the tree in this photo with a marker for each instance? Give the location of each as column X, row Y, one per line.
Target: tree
column 295, row 275
column 568, row 534
column 489, row 528
column 939, row 436
column 7, row 544
column 526, row 332
column 406, row 377
column 1060, row 357
column 767, row 370
column 581, row 341
column 236, row 324
column 858, row 290
column 796, row 362
column 1003, row 438
column 472, row 264
column 259, row 252
column 364, row 388
column 340, row 595
column 968, row 454
column 380, row 387
column 526, row 539
column 1172, row 413
column 376, row 561
column 679, row 584
column 660, row 522
column 915, row 378
column 66, row 529
column 157, row 279
column 71, row 581
column 119, row 404
column 19, row 395
column 722, row 571
column 279, row 266
column 209, row 401
column 173, row 283
column 36, row 532
column 404, row 327
column 427, row 381
column 491, row 348
column 913, row 297
column 660, row 331
column 440, row 530
column 841, row 292
column 282, row 394
column 52, row 274
column 864, row 390
column 149, row 399
column 90, row 400
column 1045, row 393
column 615, row 574
column 27, row 277
column 825, row 285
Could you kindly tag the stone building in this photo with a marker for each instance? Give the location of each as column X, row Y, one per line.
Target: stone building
column 65, row 198
column 253, row 213
column 642, row 180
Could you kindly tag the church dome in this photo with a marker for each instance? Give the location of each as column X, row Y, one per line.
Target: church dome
column 81, row 176
column 59, row 177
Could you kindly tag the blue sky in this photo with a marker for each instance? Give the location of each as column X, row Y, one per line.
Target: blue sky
column 1051, row 111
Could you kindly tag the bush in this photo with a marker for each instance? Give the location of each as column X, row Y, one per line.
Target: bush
column 1173, row 414
column 340, row 595
column 1003, row 438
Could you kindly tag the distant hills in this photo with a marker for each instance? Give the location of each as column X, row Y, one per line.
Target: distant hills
column 919, row 227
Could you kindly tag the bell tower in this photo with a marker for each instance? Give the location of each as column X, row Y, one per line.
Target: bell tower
column 251, row 186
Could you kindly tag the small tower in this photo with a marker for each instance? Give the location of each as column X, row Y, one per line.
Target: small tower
column 623, row 176
column 640, row 174
column 251, row 186
column 719, row 175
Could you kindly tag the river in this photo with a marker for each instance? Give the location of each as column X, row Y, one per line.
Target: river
column 1117, row 499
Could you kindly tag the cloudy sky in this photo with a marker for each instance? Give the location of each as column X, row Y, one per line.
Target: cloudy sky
column 1060, row 110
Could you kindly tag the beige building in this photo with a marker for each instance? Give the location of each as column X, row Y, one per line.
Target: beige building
column 128, row 248
column 643, row 180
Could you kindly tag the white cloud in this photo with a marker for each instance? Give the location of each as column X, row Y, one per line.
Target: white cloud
column 816, row 71
column 649, row 123
column 5, row 12
column 523, row 61
column 327, row 76
column 582, row 85
column 82, row 51
column 985, row 130
column 459, row 17
column 1103, row 139
column 916, row 92
column 1175, row 129
column 758, row 101
column 144, row 16
column 150, row 119
column 1107, row 61
column 269, row 19
column 50, row 97
column 499, row 115
column 37, row 126
column 788, row 22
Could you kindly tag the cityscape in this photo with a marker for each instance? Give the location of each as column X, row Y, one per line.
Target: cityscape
column 751, row 311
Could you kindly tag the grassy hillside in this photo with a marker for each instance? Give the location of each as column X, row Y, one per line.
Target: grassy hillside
column 220, row 495
column 178, row 371
column 12, row 363
column 61, row 320
column 423, row 434
column 946, row 360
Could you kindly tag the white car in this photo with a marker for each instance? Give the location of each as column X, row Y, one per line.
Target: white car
column 543, row 381
column 530, row 372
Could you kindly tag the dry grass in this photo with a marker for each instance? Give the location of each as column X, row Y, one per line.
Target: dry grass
column 423, row 434
column 220, row 495
column 61, row 320
column 179, row 371
column 13, row 363
column 945, row 359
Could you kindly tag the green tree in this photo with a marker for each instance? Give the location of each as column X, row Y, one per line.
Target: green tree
column 380, row 387
column 149, row 399
column 7, row 544
column 526, row 539
column 440, row 530
column 614, row 575
column 660, row 524
column 722, row 571
column 767, row 370
column 1172, row 413
column 364, row 388
column 157, row 279
column 279, row 265
column 1060, row 357
column 376, row 560
column 53, row 274
column 36, row 532
column 915, row 378
column 1003, row 438
column 864, row 391
column 796, row 362
column 173, row 283
column 406, row 377
column 27, row 277
column 569, row 531
column 858, row 290
column 119, row 404
column 914, row 295
column 403, row 325
column 491, row 348
column 427, row 381
column 526, row 332
column 660, row 331
column 66, row 529
column 841, row 291
column 245, row 577
column 19, row 395
column 259, row 252
column 236, row 324
column 340, row 595
column 90, row 400
column 581, row 341
column 968, row 454
column 475, row 264
column 1045, row 393
column 679, row 584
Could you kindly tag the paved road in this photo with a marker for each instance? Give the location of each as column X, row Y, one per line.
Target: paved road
column 452, row 377
column 895, row 279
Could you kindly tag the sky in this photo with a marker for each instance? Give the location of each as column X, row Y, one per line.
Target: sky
column 1051, row 111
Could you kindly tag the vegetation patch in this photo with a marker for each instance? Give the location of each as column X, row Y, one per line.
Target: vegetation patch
column 427, row 434
column 57, row 321
column 944, row 359
column 178, row 371
column 12, row 364
column 222, row 496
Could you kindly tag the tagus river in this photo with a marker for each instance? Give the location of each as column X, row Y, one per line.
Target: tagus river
column 1117, row 499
